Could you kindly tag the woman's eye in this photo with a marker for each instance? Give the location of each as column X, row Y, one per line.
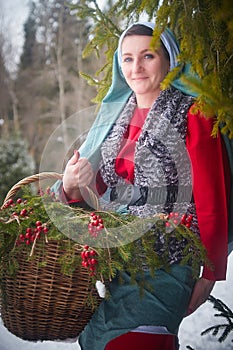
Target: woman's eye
column 149, row 56
column 127, row 59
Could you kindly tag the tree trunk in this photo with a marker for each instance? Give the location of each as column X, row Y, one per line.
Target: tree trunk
column 80, row 85
column 14, row 100
column 61, row 77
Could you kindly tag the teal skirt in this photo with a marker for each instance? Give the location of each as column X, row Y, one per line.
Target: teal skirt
column 162, row 300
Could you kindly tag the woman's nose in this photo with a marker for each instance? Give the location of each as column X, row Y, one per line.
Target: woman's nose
column 137, row 65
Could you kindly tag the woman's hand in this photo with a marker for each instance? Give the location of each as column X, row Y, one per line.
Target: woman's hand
column 78, row 173
column 201, row 292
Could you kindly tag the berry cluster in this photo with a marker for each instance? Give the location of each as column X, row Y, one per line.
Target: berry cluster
column 177, row 218
column 95, row 225
column 31, row 234
column 19, row 210
column 11, row 204
column 89, row 259
column 22, row 212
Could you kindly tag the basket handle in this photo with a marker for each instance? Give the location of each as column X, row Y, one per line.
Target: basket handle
column 45, row 176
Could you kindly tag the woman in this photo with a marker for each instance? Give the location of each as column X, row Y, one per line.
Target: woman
column 125, row 146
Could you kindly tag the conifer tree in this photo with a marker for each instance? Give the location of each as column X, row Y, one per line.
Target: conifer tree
column 28, row 56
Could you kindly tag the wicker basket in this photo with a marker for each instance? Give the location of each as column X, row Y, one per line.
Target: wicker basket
column 41, row 303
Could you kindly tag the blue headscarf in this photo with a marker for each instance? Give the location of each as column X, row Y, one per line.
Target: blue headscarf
column 119, row 93
column 167, row 38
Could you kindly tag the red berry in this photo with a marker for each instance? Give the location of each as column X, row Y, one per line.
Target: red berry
column 29, row 230
column 183, row 218
column 86, row 247
column 93, row 252
column 23, row 212
column 19, row 200
column 38, row 223
column 28, row 235
column 28, row 241
column 45, row 229
column 94, row 261
column 94, row 223
column 32, row 238
column 85, row 263
column 22, row 237
column 86, row 254
column 39, row 228
column 189, row 218
column 82, row 255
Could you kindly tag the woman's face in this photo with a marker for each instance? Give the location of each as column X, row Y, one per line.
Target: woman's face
column 143, row 69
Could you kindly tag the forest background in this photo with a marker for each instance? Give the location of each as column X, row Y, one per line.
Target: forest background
column 44, row 88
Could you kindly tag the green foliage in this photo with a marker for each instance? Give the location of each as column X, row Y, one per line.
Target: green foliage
column 204, row 30
column 15, row 163
column 113, row 256
column 13, row 224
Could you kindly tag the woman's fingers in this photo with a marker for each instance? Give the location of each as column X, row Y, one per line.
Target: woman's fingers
column 85, row 173
column 78, row 173
column 74, row 159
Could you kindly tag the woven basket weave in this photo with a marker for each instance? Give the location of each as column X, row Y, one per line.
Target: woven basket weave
column 41, row 303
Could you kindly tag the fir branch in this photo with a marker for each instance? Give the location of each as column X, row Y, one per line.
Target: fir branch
column 205, row 35
column 105, row 19
column 224, row 311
